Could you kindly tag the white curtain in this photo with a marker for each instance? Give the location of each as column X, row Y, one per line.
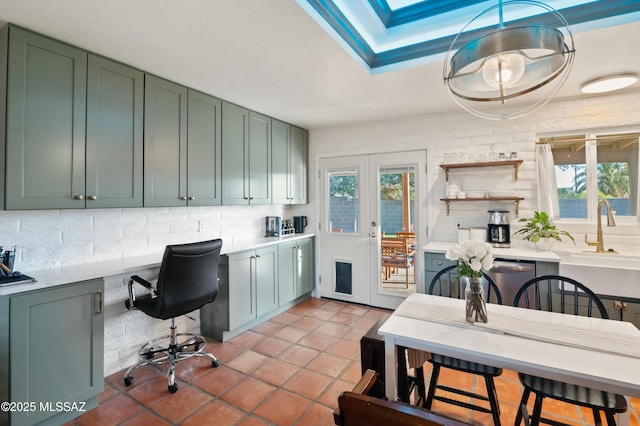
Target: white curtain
column 547, row 186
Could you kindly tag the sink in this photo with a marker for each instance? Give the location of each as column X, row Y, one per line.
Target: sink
column 607, row 274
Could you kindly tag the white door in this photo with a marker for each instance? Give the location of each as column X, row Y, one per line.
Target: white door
column 362, row 196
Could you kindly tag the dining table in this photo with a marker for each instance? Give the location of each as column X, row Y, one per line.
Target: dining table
column 587, row 351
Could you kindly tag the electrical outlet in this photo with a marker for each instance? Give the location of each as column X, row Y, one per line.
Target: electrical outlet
column 456, row 222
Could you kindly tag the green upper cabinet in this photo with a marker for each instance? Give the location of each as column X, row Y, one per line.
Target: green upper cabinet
column 165, row 143
column 181, row 146
column 289, row 164
column 204, row 158
column 246, row 151
column 74, row 127
column 46, row 107
column 115, row 95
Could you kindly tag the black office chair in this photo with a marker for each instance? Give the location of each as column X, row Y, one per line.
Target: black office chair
column 555, row 293
column 447, row 283
column 188, row 280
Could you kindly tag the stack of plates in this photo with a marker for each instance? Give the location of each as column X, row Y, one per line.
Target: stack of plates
column 501, row 194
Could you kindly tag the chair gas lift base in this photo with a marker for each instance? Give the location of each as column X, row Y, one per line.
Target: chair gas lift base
column 188, row 280
column 156, row 353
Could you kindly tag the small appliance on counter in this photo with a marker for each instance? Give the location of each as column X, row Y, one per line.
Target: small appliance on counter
column 498, row 232
column 277, row 227
column 273, row 225
column 299, row 223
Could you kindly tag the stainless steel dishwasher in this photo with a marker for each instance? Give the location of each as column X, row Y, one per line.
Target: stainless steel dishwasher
column 509, row 275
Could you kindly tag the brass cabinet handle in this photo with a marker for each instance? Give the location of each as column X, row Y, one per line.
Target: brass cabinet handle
column 92, row 197
column 78, row 197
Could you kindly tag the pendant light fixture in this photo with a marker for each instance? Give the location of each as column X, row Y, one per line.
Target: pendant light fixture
column 511, row 68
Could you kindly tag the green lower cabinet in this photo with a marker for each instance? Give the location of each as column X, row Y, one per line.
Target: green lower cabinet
column 56, row 341
column 296, row 271
column 255, row 285
column 434, row 263
column 288, row 259
column 247, row 289
column 306, row 271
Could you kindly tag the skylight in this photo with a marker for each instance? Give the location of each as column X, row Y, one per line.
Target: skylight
column 387, row 34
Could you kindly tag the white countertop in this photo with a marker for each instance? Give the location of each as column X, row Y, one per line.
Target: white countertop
column 88, row 271
column 519, row 253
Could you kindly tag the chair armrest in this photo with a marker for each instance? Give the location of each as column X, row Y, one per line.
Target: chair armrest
column 131, row 302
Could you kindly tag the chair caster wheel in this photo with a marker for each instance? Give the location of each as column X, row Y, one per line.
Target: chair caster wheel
column 215, row 363
column 128, row 381
column 173, row 388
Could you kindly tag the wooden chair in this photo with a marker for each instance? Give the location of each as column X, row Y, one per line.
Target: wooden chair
column 555, row 293
column 397, row 253
column 356, row 408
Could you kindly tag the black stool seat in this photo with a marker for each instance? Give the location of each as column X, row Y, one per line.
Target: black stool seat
column 465, row 366
column 580, row 395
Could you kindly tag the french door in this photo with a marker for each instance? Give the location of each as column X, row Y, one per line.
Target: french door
column 365, row 200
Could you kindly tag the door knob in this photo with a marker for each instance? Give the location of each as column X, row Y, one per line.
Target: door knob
column 373, row 235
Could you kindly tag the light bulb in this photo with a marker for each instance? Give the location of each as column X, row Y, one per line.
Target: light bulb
column 503, row 69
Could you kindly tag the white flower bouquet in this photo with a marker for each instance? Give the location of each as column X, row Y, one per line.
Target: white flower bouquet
column 474, row 257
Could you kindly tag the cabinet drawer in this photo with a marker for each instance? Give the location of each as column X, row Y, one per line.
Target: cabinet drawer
column 436, row 261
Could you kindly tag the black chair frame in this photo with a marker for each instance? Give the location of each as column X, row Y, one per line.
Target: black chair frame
column 454, row 289
column 555, row 298
column 188, row 279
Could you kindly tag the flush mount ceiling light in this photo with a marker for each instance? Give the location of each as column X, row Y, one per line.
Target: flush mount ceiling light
column 609, row 83
column 514, row 68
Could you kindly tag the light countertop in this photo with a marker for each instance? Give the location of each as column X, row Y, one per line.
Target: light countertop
column 516, row 252
column 88, row 271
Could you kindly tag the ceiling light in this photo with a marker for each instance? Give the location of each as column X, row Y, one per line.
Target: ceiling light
column 609, row 83
column 514, row 68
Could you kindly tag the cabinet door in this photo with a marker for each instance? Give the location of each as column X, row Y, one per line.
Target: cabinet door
column 235, row 143
column 204, row 173
column 280, row 157
column 242, row 295
column 266, row 267
column 259, row 158
column 57, row 347
column 306, row 270
column 165, row 143
column 115, row 95
column 298, row 166
column 287, row 272
column 46, row 108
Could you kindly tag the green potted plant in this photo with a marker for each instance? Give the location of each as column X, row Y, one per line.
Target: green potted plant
column 540, row 231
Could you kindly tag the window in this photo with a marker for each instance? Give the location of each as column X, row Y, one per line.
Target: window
column 343, row 201
column 593, row 166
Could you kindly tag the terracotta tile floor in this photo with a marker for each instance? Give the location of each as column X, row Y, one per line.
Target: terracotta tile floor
column 286, row 371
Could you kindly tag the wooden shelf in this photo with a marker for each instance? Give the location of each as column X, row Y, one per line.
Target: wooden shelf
column 514, row 163
column 516, row 201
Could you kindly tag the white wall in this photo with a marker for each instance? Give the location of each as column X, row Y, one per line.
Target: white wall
column 461, row 131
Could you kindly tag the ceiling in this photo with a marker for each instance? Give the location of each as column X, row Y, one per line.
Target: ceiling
column 273, row 57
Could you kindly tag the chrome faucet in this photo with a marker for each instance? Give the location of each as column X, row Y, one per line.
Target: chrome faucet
column 610, row 222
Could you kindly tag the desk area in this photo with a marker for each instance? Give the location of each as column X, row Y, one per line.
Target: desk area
column 605, row 354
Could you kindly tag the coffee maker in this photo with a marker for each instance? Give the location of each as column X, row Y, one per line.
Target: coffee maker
column 498, row 233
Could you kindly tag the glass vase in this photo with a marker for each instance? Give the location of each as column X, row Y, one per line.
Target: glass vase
column 475, row 304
